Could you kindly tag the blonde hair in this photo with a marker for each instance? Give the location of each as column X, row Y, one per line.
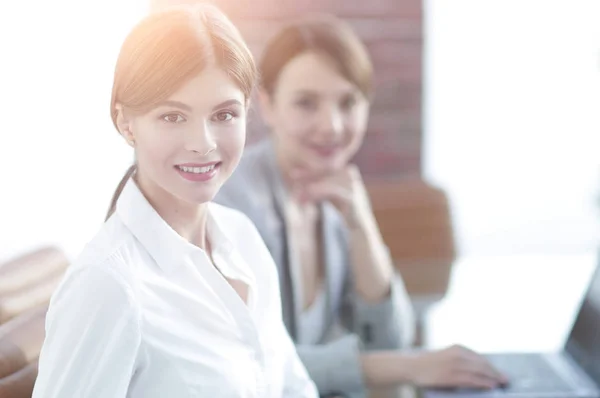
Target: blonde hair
column 167, row 49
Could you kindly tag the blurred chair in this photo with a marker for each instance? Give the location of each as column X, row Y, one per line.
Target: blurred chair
column 30, row 268
column 19, row 384
column 26, row 285
column 414, row 219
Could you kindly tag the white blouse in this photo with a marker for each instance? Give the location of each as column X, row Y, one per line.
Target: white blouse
column 144, row 313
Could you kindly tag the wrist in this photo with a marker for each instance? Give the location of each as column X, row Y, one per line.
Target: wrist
column 388, row 368
column 360, row 217
column 363, row 226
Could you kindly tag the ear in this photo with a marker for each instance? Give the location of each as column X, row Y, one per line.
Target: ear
column 124, row 125
column 266, row 104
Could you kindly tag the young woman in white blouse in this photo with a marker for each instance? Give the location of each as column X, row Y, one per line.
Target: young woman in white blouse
column 175, row 296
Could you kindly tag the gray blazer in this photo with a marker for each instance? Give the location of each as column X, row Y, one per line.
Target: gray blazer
column 256, row 188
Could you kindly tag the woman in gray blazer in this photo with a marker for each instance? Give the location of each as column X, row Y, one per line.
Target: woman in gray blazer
column 343, row 304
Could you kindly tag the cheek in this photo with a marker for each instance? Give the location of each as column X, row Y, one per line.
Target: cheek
column 293, row 124
column 357, row 126
column 230, row 141
column 154, row 145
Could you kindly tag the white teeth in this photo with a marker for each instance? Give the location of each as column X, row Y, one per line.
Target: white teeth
column 197, row 170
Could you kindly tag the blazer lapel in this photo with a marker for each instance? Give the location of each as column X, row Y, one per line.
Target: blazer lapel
column 333, row 258
column 278, row 243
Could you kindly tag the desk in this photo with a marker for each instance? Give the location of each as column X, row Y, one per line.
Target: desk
column 510, row 303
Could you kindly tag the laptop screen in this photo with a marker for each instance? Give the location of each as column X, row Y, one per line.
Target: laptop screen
column 583, row 344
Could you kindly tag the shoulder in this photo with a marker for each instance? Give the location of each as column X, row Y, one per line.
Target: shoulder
column 105, row 268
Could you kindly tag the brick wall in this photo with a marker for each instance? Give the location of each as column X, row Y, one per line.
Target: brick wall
column 392, row 30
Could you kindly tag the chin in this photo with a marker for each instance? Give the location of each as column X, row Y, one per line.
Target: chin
column 332, row 164
column 200, row 195
column 205, row 196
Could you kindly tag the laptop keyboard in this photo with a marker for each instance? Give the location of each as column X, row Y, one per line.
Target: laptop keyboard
column 530, row 373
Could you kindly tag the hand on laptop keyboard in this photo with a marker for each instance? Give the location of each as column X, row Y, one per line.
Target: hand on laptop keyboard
column 455, row 367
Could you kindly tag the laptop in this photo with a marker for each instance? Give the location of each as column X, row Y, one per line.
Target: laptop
column 573, row 372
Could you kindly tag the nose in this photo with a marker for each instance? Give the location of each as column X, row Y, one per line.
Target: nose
column 331, row 123
column 199, row 139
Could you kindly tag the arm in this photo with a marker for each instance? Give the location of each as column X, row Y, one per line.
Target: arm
column 92, row 338
column 369, row 257
column 340, row 368
column 334, row 367
column 377, row 305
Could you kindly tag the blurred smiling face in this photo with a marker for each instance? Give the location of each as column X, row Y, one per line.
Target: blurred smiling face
column 318, row 117
column 189, row 144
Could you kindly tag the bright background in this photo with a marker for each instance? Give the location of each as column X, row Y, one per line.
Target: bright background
column 512, row 120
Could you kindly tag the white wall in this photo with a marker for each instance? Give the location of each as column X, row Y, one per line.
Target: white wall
column 513, row 121
column 60, row 157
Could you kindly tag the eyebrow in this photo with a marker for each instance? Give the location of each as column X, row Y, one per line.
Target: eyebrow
column 227, row 103
column 186, row 107
column 315, row 93
column 306, row 92
column 175, row 104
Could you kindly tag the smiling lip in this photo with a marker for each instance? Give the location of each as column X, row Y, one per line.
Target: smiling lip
column 194, row 171
column 198, row 164
column 326, row 151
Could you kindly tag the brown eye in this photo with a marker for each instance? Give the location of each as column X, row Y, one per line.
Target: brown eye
column 224, row 116
column 348, row 103
column 307, row 104
column 173, row 118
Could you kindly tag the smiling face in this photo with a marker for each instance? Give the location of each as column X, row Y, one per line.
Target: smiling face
column 318, row 117
column 188, row 145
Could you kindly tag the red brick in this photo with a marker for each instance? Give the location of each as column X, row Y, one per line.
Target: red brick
column 368, row 29
column 353, row 8
column 343, row 8
column 256, row 9
column 395, row 121
column 384, row 75
column 397, row 62
column 396, row 52
column 388, row 165
column 395, row 158
column 259, row 30
column 292, row 8
column 397, row 95
column 377, row 29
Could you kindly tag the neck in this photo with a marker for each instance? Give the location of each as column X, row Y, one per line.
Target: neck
column 187, row 219
column 285, row 165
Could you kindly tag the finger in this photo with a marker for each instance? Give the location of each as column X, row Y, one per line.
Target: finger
column 300, row 173
column 328, row 192
column 473, row 380
column 353, row 171
column 303, row 174
column 481, row 367
column 490, row 369
column 497, row 374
